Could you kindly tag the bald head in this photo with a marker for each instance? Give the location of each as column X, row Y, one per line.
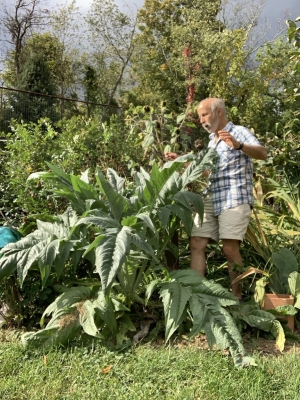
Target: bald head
column 212, row 114
column 214, row 103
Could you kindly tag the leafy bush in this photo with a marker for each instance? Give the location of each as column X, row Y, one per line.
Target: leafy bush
column 123, row 233
column 74, row 145
column 206, row 301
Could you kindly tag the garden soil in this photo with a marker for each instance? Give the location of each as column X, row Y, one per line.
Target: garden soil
column 259, row 344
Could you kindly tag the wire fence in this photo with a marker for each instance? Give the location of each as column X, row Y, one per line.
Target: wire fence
column 25, row 106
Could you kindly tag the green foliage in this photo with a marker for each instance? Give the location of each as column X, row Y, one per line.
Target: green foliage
column 173, row 50
column 276, row 218
column 28, row 147
column 24, row 305
column 286, row 196
column 159, row 131
column 184, row 54
column 283, row 153
column 106, row 144
column 282, row 278
column 113, row 238
column 293, row 34
column 286, row 264
column 111, row 32
column 91, row 89
column 31, row 145
column 286, row 278
column 64, row 324
column 35, row 77
column 56, row 63
column 263, row 320
column 48, row 246
column 265, row 90
column 206, row 301
column 276, row 222
column 122, row 231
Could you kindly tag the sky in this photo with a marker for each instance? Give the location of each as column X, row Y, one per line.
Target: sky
column 273, row 9
column 275, row 12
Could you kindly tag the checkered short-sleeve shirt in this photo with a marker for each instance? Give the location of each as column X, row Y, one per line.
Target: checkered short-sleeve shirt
column 231, row 183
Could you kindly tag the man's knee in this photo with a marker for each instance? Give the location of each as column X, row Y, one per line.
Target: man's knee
column 231, row 249
column 198, row 243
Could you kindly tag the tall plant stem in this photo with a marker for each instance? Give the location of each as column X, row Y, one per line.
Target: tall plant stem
column 140, row 276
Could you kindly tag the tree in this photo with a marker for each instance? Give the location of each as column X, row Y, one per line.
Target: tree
column 171, row 54
column 62, row 66
column 35, row 78
column 269, row 88
column 111, row 40
column 185, row 49
column 90, row 82
column 294, row 38
column 66, row 26
column 20, row 21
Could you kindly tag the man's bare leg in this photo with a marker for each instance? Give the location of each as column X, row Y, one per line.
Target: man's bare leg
column 231, row 250
column 198, row 258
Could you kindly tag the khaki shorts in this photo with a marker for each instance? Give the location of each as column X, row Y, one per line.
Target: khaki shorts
column 230, row 224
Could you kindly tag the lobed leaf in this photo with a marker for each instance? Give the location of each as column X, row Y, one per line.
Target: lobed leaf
column 67, row 299
column 115, row 180
column 164, row 214
column 125, row 325
column 184, row 214
column 85, row 190
column 198, row 311
column 175, row 298
column 209, row 291
column 111, row 254
column 148, row 222
column 153, row 285
column 118, row 204
column 139, row 241
column 99, row 219
column 51, row 250
column 260, row 319
column 53, row 336
column 87, row 320
column 190, row 200
column 207, row 159
column 162, row 182
column 105, row 307
column 62, row 256
column 60, row 174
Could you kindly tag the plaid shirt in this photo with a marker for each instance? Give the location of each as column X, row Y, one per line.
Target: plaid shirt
column 231, row 183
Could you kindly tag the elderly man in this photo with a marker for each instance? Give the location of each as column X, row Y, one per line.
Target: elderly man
column 228, row 199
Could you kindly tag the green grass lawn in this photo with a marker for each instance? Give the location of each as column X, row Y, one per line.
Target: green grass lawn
column 143, row 372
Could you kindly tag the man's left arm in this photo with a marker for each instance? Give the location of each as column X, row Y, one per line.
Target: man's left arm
column 255, row 151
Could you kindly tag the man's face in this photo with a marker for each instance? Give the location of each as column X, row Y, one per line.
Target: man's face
column 209, row 119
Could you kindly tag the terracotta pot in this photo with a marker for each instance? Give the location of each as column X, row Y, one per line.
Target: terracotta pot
column 275, row 300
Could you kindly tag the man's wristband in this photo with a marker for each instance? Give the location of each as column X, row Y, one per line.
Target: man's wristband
column 240, row 146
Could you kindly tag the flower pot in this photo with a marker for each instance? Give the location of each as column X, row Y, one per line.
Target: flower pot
column 275, row 300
